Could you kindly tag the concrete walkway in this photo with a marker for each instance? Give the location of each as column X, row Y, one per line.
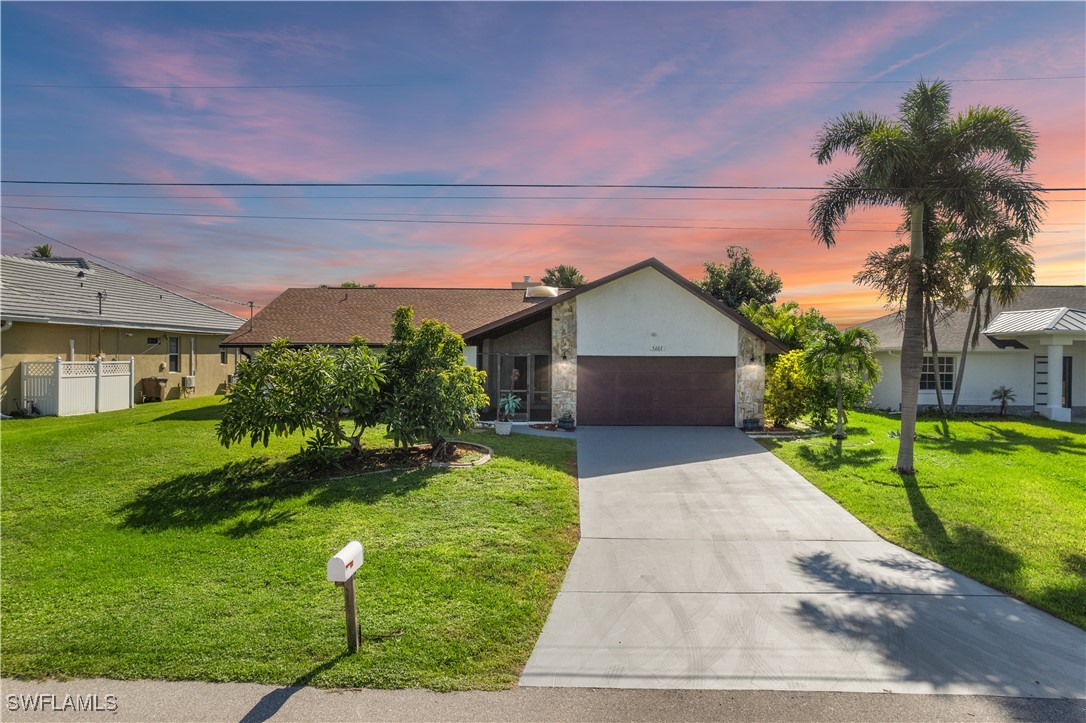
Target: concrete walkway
column 705, row 562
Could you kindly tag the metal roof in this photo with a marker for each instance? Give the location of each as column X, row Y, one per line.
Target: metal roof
column 1038, row 321
column 66, row 291
column 951, row 331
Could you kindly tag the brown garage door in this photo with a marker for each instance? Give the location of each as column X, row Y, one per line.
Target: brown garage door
column 680, row 390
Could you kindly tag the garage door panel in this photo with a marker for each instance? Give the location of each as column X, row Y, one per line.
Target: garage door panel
column 656, row 390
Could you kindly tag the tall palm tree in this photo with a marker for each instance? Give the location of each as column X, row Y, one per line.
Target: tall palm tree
column 833, row 353
column 996, row 263
column 45, row 251
column 962, row 167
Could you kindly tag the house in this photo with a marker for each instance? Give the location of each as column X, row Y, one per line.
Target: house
column 1035, row 345
column 80, row 310
column 641, row 346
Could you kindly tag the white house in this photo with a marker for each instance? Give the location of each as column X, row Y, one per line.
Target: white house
column 1043, row 330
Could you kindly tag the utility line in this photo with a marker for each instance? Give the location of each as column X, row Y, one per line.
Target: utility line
column 296, row 86
column 682, row 187
column 122, row 266
column 358, row 219
column 445, row 198
column 419, row 214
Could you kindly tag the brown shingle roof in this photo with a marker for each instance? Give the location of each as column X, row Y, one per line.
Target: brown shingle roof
column 334, row 315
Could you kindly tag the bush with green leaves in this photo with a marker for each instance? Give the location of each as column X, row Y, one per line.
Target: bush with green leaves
column 313, row 389
column 787, row 389
column 792, row 391
column 430, row 393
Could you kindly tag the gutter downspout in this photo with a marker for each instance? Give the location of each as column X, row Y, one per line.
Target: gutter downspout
column 6, row 325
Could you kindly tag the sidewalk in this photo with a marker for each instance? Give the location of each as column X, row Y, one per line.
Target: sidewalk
column 153, row 701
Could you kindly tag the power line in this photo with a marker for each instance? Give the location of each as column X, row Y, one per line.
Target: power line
column 297, row 86
column 122, row 266
column 445, row 198
column 420, row 214
column 641, row 186
column 357, row 219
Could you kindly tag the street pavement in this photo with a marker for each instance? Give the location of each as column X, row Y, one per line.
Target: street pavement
column 150, row 701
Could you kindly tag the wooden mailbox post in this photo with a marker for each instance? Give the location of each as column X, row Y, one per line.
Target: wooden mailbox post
column 341, row 569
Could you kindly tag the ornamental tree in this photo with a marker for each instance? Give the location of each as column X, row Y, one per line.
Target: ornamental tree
column 314, row 389
column 430, row 393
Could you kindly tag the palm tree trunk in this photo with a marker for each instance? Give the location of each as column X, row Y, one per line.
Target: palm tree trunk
column 973, row 313
column 840, row 432
column 912, row 342
column 935, row 356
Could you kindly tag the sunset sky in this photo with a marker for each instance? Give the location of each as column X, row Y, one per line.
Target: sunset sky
column 534, row 93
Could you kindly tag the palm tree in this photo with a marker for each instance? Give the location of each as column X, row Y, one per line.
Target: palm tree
column 961, row 167
column 996, row 262
column 833, row 353
column 563, row 276
column 1004, row 395
column 45, row 251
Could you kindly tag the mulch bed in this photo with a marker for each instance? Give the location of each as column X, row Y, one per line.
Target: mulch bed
column 380, row 460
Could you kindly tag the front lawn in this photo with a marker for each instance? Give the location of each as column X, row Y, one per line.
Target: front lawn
column 1002, row 501
column 134, row 546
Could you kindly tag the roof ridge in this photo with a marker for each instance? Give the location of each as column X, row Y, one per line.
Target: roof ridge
column 168, row 291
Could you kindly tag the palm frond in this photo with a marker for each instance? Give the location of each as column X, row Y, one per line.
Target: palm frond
column 1002, row 132
column 844, row 133
column 845, row 191
column 925, row 107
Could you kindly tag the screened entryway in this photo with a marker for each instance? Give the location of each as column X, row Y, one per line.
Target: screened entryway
column 526, row 376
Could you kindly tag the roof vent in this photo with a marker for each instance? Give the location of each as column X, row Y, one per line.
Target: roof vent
column 540, row 292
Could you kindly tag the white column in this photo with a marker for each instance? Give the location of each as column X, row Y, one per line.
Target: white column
column 1054, row 408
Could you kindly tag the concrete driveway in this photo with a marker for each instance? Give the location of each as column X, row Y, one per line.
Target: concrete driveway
column 705, row 562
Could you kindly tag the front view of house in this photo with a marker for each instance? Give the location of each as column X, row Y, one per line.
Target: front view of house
column 642, row 346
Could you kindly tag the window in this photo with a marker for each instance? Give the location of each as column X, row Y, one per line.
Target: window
column 222, row 356
column 946, row 374
column 175, row 353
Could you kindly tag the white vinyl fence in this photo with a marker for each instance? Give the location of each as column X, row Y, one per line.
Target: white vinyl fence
column 64, row 388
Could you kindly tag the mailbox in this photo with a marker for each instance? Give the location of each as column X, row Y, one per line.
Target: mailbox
column 345, row 563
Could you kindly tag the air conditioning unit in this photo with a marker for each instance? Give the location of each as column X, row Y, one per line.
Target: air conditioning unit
column 188, row 382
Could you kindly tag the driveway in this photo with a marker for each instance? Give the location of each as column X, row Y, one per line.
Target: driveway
column 706, row 562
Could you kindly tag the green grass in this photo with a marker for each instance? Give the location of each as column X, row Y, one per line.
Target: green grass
column 134, row 546
column 1002, row 501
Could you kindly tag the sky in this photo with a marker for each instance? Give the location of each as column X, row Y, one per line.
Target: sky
column 703, row 94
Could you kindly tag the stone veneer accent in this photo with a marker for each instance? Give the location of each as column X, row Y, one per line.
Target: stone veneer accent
column 750, row 378
column 564, row 370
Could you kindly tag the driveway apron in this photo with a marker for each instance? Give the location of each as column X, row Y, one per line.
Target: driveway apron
column 706, row 562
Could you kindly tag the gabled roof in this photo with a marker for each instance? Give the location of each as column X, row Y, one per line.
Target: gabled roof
column 65, row 291
column 333, row 315
column 509, row 323
column 951, row 332
column 1038, row 321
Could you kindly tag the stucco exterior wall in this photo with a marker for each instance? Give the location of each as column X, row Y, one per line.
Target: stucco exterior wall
column 648, row 314
column 749, row 378
column 564, row 333
column 45, row 342
column 984, row 371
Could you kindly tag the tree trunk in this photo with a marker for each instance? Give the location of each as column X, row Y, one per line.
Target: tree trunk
column 840, row 432
column 935, row 357
column 912, row 342
column 973, row 314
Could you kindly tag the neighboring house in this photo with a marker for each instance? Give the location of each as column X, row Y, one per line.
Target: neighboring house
column 79, row 310
column 1044, row 329
column 641, row 346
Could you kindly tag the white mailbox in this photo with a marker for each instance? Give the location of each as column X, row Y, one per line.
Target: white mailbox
column 345, row 563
